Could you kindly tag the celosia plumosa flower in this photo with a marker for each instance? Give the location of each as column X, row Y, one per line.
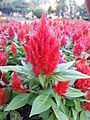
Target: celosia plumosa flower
column 42, row 49
column 61, row 87
column 3, row 58
column 87, row 105
column 63, row 41
column 16, row 84
column 13, row 49
column 3, row 40
column 2, row 77
column 2, row 97
column 82, row 66
column 11, row 32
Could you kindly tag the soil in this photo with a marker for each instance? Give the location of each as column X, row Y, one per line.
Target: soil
column 24, row 113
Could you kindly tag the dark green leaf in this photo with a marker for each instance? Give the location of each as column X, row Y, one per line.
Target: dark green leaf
column 3, row 115
column 70, row 103
column 17, row 102
column 77, row 105
column 41, row 77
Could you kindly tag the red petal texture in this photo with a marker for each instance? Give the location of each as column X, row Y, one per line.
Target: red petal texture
column 17, row 85
column 42, row 49
column 61, row 87
column 87, row 105
column 63, row 41
column 2, row 77
column 3, row 62
column 13, row 49
column 11, row 32
column 82, row 66
column 3, row 40
column 3, row 58
column 2, row 97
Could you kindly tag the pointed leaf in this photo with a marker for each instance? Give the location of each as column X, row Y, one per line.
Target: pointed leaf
column 59, row 114
column 17, row 102
column 68, row 75
column 3, row 115
column 64, row 66
column 41, row 77
column 40, row 104
column 72, row 93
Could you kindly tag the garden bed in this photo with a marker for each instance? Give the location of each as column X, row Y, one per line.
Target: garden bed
column 45, row 70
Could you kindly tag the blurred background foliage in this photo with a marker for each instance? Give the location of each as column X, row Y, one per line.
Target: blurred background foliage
column 58, row 8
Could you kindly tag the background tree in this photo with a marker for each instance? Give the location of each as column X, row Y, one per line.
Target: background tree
column 61, row 7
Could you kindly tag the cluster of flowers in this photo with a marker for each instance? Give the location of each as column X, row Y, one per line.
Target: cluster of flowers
column 42, row 47
column 8, row 31
column 83, row 84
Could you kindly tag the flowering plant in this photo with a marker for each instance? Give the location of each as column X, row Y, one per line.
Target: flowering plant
column 54, row 77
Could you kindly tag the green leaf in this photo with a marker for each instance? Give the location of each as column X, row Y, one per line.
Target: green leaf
column 82, row 115
column 87, row 115
column 45, row 115
column 40, row 104
column 60, row 115
column 64, row 66
column 70, row 103
column 68, row 75
column 73, row 93
column 17, row 102
column 52, row 117
column 3, row 115
column 77, row 105
column 46, row 92
column 31, row 99
column 75, row 113
column 21, row 49
column 58, row 99
column 19, row 69
column 41, row 77
column 7, row 75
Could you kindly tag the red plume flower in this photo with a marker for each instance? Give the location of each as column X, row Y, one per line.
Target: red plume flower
column 16, row 84
column 3, row 62
column 87, row 105
column 79, row 47
column 82, row 66
column 3, row 40
column 11, row 32
column 2, row 97
column 3, row 58
column 13, row 49
column 63, row 41
column 61, row 87
column 2, row 77
column 21, row 34
column 42, row 49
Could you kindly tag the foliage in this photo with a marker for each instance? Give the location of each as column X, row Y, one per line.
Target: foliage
column 40, row 64
column 38, row 12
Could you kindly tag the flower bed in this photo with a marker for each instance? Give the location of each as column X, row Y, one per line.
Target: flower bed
column 44, row 70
